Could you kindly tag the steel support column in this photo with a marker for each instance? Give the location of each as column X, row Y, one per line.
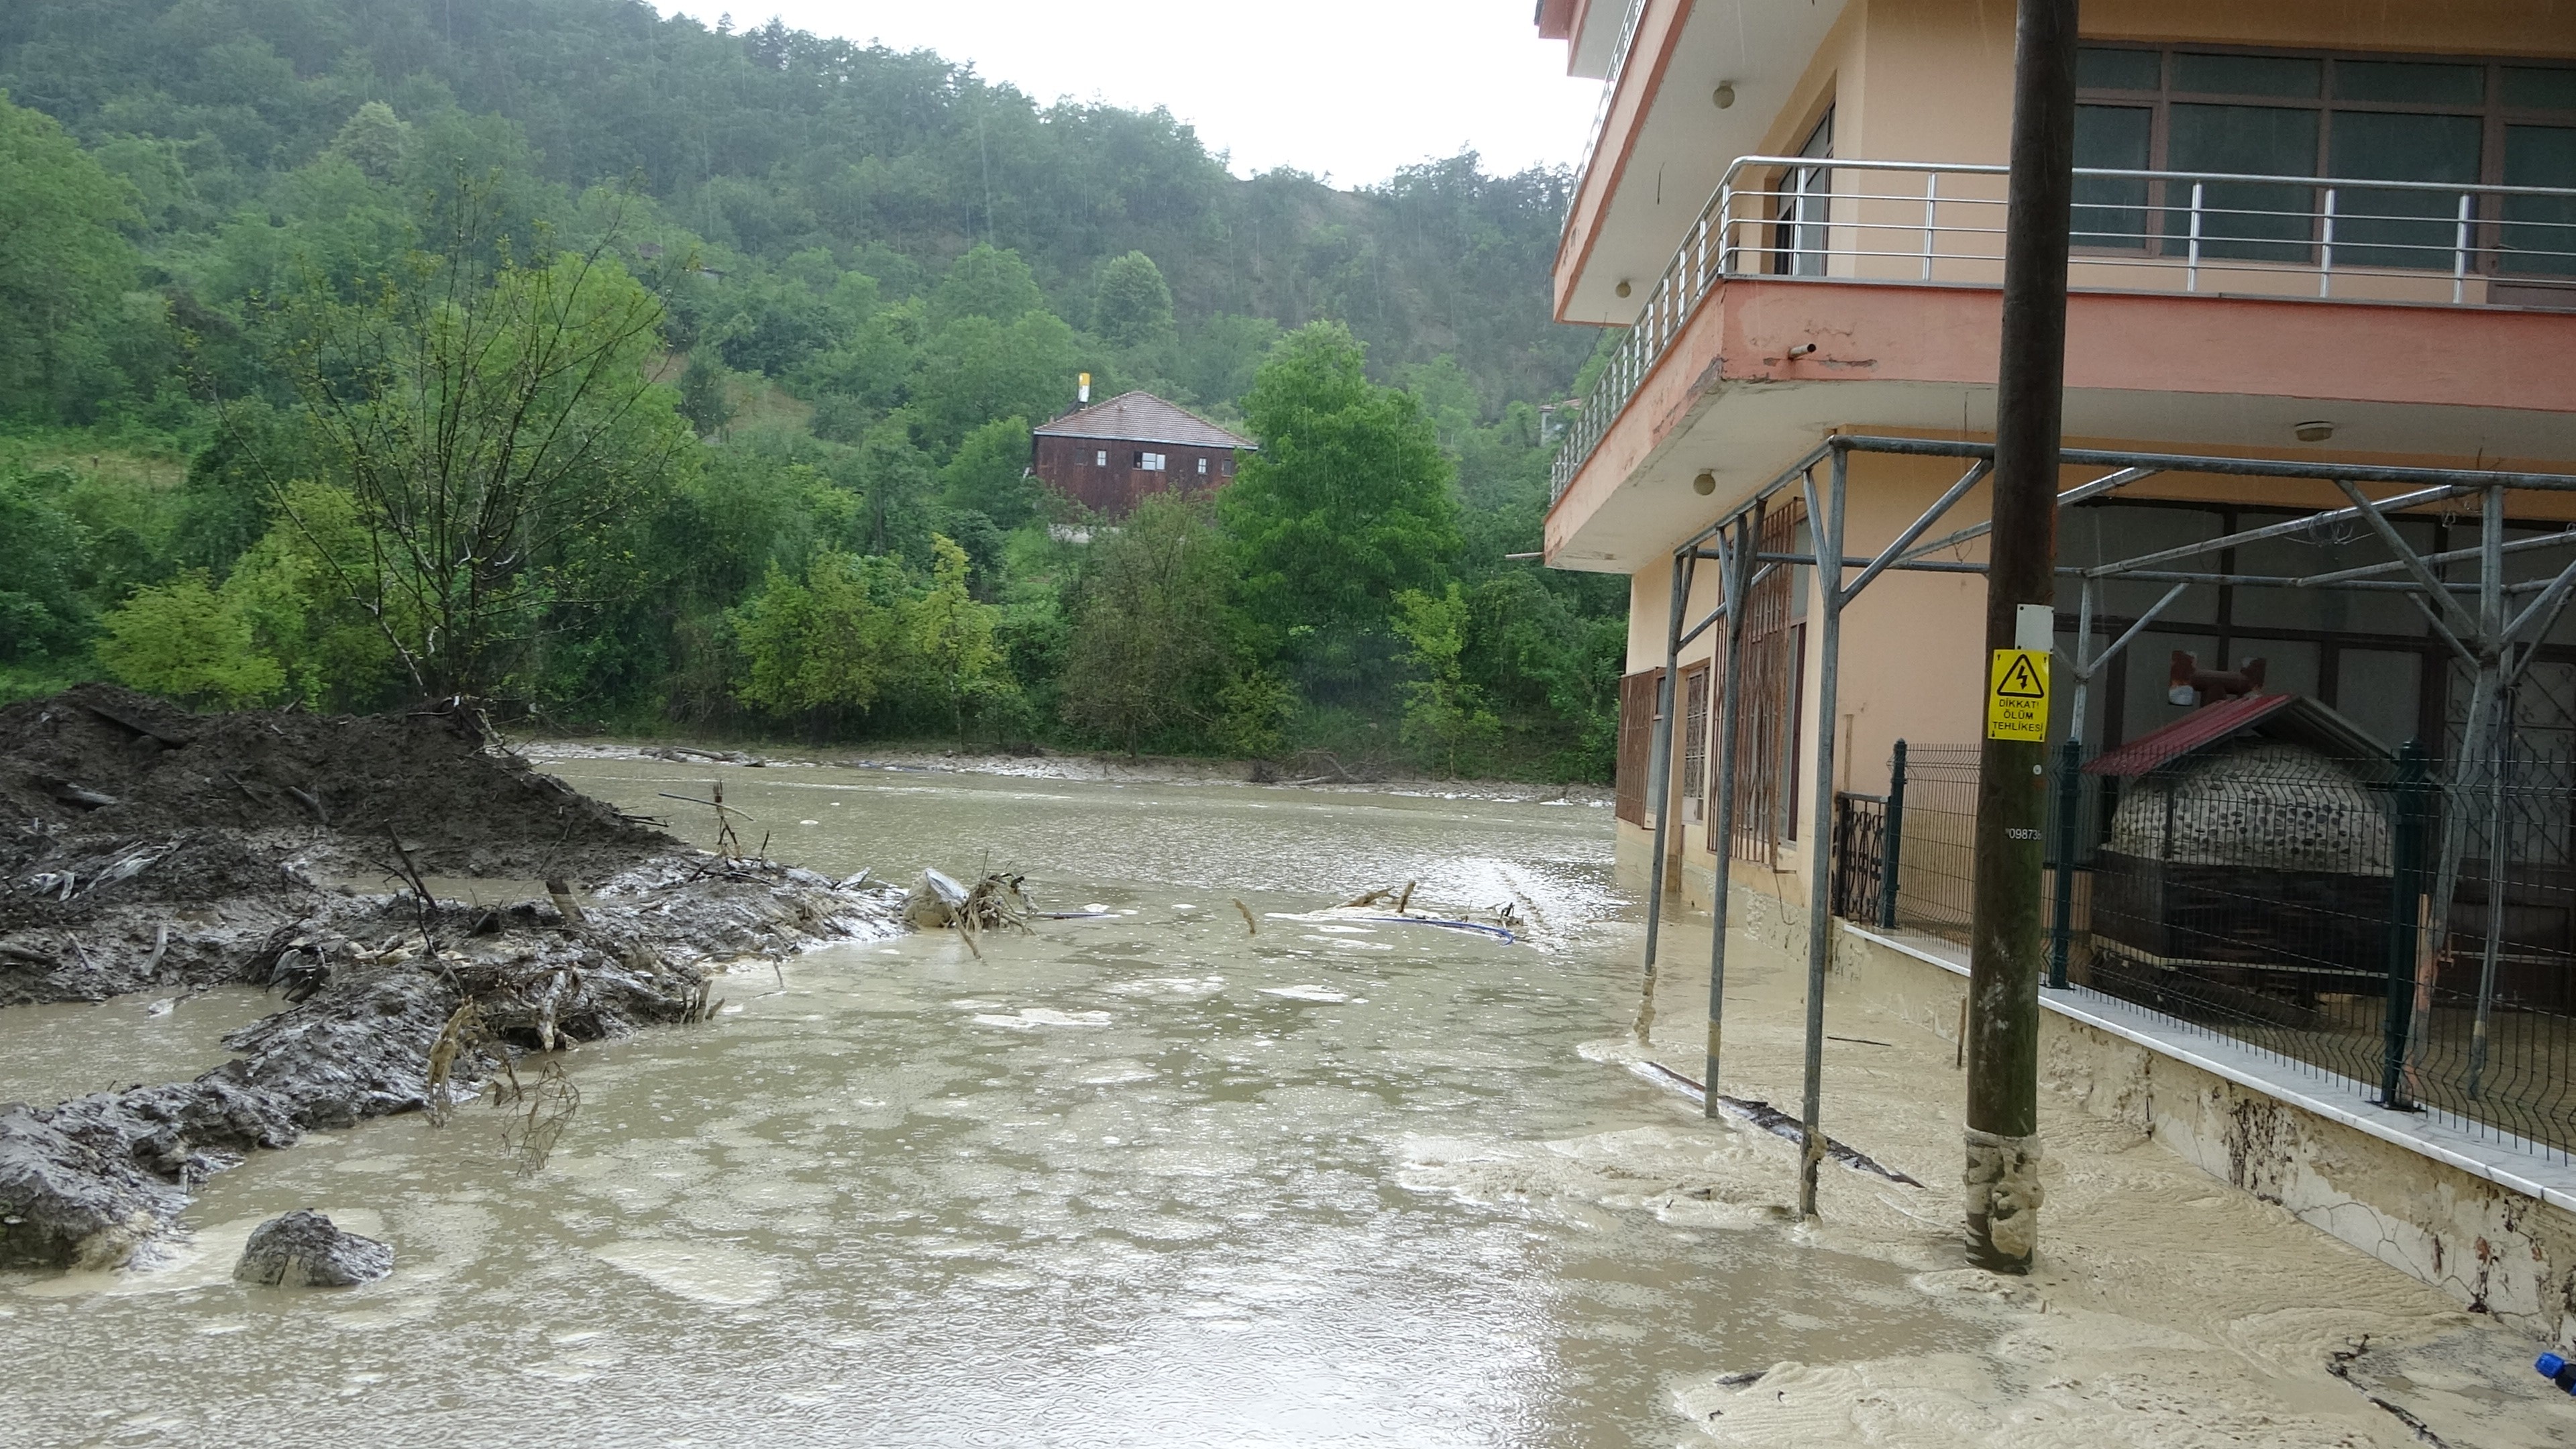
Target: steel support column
column 1820, row 843
column 1659, row 783
column 1738, row 571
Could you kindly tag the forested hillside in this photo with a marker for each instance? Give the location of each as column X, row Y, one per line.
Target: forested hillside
column 643, row 375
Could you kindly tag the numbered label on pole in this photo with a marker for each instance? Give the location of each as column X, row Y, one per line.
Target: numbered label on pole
column 2017, row 696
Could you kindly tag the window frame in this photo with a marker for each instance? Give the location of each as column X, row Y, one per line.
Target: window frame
column 2492, row 112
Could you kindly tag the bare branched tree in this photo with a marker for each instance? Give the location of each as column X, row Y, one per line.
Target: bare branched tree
column 491, row 420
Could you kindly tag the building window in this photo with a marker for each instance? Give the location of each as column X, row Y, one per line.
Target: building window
column 2318, row 113
column 1100, row 458
column 1203, row 467
column 1150, row 462
column 1694, row 741
column 1806, row 196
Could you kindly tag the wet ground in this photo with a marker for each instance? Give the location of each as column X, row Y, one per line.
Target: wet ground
column 1147, row 1179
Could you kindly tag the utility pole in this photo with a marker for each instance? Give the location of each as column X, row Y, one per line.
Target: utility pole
column 2006, row 949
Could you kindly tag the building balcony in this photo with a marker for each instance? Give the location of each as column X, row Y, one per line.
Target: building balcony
column 2418, row 319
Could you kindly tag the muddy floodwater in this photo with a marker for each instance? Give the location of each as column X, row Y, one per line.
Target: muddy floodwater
column 1148, row 1178
column 1144, row 1178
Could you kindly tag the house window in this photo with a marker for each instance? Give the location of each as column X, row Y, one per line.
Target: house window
column 1150, row 462
column 1694, row 742
column 1100, row 458
column 1202, row 467
column 2451, row 121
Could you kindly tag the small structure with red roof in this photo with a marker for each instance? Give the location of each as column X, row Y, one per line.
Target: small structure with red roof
column 1111, row 454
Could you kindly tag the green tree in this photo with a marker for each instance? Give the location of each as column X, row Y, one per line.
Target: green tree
column 1448, row 398
column 1149, row 632
column 1347, row 504
column 952, row 640
column 976, row 369
column 1253, row 707
column 375, row 140
column 43, row 611
column 494, row 428
column 1132, row 308
column 990, row 474
column 988, row 282
column 187, row 641
column 1219, row 357
column 706, row 395
column 825, row 646
column 287, row 588
column 1445, row 723
column 895, row 479
column 64, row 263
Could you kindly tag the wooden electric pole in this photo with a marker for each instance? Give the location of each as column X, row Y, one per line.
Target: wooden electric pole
column 2007, row 950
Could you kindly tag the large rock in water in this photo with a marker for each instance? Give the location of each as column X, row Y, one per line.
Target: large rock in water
column 302, row 1249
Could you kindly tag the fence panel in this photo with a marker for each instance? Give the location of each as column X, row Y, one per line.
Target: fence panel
column 1860, row 845
column 2264, row 893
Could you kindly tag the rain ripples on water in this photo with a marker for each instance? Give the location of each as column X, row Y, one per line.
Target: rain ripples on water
column 1145, row 1178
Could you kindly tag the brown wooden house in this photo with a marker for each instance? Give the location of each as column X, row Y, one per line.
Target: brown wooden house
column 1110, row 454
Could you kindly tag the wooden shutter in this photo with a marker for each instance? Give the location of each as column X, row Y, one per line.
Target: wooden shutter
column 1636, row 741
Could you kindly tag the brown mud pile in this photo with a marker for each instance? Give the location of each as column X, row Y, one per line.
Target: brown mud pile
column 143, row 846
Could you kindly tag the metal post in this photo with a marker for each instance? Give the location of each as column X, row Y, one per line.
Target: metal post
column 2460, row 255
column 1891, row 856
column 2405, row 888
column 2061, row 923
column 2006, row 950
column 1931, row 214
column 2491, row 648
column 2325, row 259
column 1726, row 228
column 1739, row 586
column 1820, row 940
column 2191, row 274
column 1659, row 786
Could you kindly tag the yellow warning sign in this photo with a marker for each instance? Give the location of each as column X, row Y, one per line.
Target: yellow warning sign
column 2017, row 695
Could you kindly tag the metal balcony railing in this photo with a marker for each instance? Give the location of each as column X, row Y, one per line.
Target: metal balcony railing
column 1609, row 94
column 1799, row 218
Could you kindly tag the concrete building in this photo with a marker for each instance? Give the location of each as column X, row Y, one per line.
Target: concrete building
column 2313, row 232
column 1796, row 211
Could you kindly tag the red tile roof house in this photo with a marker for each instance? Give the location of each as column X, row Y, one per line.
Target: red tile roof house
column 1111, row 454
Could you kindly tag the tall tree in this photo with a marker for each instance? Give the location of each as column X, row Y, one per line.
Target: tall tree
column 1133, row 308
column 1149, row 625
column 1347, row 504
column 64, row 265
column 952, row 639
column 491, row 426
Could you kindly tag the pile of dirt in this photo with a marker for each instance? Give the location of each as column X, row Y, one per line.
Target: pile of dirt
column 143, row 846
column 97, row 760
column 146, row 845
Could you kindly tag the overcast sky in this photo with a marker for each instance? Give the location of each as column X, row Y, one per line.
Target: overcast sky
column 1354, row 88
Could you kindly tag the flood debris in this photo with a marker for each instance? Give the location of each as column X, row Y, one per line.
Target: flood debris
column 304, row 1250
column 213, row 864
column 728, row 844
column 686, row 754
column 1400, row 899
column 2340, row 1364
column 939, row 901
column 1776, row 1122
